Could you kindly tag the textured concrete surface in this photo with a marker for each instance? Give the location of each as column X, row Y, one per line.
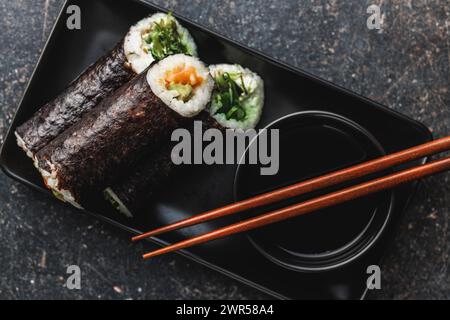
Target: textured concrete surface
column 406, row 67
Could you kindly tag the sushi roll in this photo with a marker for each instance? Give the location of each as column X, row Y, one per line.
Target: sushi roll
column 136, row 119
column 238, row 96
column 235, row 87
column 155, row 38
column 151, row 39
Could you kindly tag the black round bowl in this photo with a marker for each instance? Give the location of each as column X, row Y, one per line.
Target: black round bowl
column 314, row 143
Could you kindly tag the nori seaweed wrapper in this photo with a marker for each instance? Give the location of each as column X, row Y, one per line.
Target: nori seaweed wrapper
column 98, row 81
column 145, row 180
column 110, row 139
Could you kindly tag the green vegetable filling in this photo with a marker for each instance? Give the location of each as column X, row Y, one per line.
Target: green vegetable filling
column 229, row 97
column 165, row 40
column 111, row 199
column 58, row 195
column 184, row 90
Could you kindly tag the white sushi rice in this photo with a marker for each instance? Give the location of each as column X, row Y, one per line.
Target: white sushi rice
column 52, row 182
column 134, row 44
column 21, row 143
column 201, row 96
column 253, row 105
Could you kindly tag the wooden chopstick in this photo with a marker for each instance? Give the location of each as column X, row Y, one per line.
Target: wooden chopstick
column 314, row 184
column 322, row 202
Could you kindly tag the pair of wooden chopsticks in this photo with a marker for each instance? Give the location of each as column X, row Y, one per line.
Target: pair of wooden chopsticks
column 314, row 184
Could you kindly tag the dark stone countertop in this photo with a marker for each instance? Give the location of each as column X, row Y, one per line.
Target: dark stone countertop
column 405, row 67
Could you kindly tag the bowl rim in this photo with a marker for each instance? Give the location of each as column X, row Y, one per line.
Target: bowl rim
column 367, row 245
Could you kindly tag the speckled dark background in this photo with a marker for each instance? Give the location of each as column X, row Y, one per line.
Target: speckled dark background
column 406, row 67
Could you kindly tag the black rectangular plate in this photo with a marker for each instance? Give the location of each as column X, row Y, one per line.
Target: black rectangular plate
column 288, row 90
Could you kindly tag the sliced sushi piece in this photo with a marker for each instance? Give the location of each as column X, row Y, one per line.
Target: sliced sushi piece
column 151, row 39
column 136, row 119
column 235, row 87
column 238, row 97
column 155, row 38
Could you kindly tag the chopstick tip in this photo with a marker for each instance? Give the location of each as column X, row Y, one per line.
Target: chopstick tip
column 150, row 255
column 136, row 238
column 144, row 236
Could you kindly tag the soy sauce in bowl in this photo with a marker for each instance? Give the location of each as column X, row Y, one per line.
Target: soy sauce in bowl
column 312, row 144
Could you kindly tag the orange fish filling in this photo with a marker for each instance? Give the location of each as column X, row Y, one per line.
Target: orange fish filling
column 183, row 75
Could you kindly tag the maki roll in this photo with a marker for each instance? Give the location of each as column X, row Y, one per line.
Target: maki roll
column 136, row 119
column 238, row 96
column 155, row 38
column 151, row 39
column 237, row 103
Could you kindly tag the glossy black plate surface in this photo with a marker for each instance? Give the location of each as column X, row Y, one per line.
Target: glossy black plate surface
column 288, row 90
